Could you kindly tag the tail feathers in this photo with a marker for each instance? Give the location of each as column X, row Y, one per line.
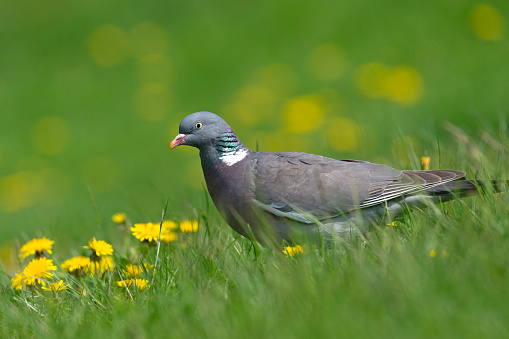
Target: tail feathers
column 465, row 188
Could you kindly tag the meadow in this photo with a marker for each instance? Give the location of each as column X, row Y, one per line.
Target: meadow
column 91, row 94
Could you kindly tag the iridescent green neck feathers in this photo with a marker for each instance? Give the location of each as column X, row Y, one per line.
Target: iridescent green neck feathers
column 229, row 148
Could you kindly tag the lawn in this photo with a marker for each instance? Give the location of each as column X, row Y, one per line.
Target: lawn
column 91, row 94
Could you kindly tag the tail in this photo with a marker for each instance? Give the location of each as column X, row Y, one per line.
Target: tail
column 466, row 188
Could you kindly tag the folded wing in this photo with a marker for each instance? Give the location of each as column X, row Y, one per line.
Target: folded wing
column 306, row 187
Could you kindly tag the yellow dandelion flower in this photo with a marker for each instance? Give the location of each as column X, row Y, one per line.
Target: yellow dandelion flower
column 102, row 265
column 17, row 281
column 432, row 253
column 141, row 284
column 38, row 268
column 188, row 226
column 168, row 236
column 56, row 287
column 125, row 283
column 425, row 163
column 119, row 218
column 146, row 231
column 134, row 271
column 36, row 246
column 99, row 247
column 76, row 263
column 149, row 232
column 170, row 225
column 445, row 253
column 293, row 251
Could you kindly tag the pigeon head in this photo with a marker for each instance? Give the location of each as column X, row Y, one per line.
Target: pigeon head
column 199, row 130
column 212, row 136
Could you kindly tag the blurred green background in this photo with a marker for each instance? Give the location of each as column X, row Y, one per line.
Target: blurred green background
column 92, row 92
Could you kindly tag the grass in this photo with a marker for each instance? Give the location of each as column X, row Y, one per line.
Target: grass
column 113, row 156
column 439, row 272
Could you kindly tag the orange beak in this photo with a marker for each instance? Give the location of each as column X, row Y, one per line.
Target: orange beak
column 178, row 140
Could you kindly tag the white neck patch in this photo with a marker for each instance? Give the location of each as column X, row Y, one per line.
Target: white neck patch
column 231, row 158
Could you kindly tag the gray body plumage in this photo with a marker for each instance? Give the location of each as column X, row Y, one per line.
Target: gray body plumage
column 273, row 196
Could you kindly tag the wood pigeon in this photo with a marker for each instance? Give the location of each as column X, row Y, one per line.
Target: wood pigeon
column 273, row 196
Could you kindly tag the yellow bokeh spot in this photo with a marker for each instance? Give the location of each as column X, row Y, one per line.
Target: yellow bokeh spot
column 9, row 257
column 277, row 78
column 343, row 134
column 51, row 135
column 149, row 41
column 304, row 113
column 23, row 189
column 401, row 84
column 15, row 192
column 100, row 174
column 252, row 104
column 327, row 62
column 257, row 101
column 486, row 22
column 152, row 101
column 108, row 45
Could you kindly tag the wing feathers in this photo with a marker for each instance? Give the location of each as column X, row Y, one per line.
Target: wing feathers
column 299, row 185
column 422, row 180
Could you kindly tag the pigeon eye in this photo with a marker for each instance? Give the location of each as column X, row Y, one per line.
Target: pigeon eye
column 198, row 125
